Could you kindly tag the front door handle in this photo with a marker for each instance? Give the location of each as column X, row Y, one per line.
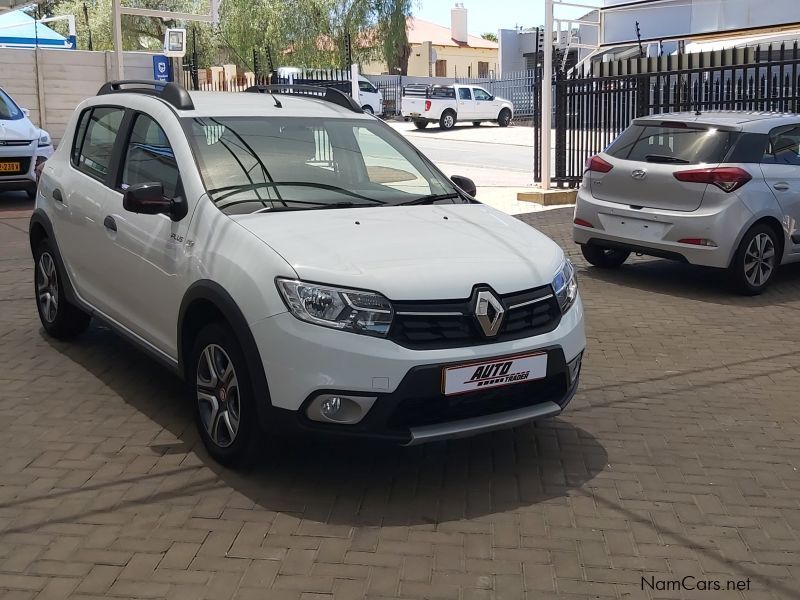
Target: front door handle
column 110, row 223
column 781, row 187
column 57, row 195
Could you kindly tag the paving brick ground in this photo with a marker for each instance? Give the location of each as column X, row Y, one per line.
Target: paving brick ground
column 678, row 458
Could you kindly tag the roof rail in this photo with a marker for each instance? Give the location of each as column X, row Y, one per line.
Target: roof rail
column 329, row 94
column 170, row 92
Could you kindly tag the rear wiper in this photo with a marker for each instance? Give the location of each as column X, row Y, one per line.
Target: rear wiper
column 430, row 199
column 663, row 158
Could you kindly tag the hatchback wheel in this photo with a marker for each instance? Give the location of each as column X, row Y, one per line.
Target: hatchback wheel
column 604, row 258
column 756, row 260
column 59, row 317
column 223, row 397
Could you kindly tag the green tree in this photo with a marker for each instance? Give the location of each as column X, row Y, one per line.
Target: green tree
column 489, row 36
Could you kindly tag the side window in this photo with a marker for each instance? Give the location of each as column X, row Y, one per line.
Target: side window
column 464, row 94
column 94, row 157
column 149, row 157
column 482, row 94
column 366, row 86
column 784, row 146
column 80, row 132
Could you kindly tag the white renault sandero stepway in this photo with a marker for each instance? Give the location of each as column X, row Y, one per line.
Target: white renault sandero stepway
column 302, row 267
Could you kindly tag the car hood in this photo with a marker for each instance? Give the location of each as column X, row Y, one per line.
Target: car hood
column 18, row 129
column 411, row 252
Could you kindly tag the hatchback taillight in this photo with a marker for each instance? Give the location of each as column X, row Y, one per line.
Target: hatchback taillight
column 427, row 104
column 595, row 164
column 727, row 179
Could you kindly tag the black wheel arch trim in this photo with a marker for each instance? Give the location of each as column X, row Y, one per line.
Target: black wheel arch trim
column 212, row 292
column 39, row 218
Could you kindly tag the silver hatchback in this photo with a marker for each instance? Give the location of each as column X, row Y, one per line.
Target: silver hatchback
column 720, row 189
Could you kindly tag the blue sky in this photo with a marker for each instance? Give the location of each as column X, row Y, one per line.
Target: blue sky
column 491, row 15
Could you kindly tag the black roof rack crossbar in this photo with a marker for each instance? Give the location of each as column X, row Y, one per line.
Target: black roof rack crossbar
column 329, row 94
column 170, row 92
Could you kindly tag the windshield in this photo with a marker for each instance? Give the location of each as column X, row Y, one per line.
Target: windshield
column 251, row 164
column 9, row 111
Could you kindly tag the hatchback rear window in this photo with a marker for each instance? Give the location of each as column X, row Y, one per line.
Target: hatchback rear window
column 673, row 144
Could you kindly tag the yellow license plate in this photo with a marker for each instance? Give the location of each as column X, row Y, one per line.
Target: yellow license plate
column 9, row 167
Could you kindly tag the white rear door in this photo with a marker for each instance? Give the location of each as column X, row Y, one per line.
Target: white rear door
column 466, row 104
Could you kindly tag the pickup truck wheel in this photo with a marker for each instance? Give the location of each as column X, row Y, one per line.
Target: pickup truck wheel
column 420, row 124
column 59, row 318
column 504, row 118
column 224, row 403
column 448, row 120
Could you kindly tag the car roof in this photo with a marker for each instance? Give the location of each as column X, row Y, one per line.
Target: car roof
column 757, row 122
column 241, row 104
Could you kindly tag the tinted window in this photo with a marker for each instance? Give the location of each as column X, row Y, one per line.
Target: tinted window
column 672, row 144
column 464, row 94
column 94, row 157
column 784, row 146
column 80, row 132
column 9, row 111
column 482, row 94
column 149, row 157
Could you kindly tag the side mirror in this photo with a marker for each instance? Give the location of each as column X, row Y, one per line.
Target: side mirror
column 26, row 112
column 148, row 199
column 465, row 183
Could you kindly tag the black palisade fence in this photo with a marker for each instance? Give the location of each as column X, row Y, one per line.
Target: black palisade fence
column 593, row 107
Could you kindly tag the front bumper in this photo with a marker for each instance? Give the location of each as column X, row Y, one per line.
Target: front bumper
column 27, row 157
column 656, row 232
column 302, row 361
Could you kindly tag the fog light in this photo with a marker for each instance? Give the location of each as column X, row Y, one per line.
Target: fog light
column 331, row 406
column 574, row 367
column 339, row 409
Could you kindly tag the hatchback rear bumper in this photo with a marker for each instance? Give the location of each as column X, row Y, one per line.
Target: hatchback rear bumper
column 656, row 232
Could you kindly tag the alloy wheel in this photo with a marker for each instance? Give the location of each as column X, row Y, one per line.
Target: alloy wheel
column 759, row 260
column 218, row 395
column 448, row 121
column 47, row 287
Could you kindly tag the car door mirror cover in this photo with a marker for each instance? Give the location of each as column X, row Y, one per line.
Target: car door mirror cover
column 465, row 183
column 148, row 199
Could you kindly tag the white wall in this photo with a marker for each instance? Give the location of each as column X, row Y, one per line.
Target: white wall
column 689, row 17
column 51, row 83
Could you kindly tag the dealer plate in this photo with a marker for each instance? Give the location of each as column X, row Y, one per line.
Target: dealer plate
column 500, row 372
column 9, row 167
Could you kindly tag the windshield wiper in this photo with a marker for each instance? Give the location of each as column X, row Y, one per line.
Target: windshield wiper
column 314, row 206
column 663, row 158
column 232, row 190
column 430, row 199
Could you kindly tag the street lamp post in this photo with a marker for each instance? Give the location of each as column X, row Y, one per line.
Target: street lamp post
column 547, row 94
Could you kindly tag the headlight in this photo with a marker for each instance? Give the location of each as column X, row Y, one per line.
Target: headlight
column 368, row 313
column 44, row 139
column 565, row 286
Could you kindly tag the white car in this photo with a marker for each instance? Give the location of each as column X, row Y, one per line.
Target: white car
column 719, row 189
column 302, row 267
column 23, row 147
column 448, row 104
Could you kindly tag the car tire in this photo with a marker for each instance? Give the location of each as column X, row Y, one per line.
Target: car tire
column 60, row 319
column 604, row 258
column 476, row 123
column 756, row 260
column 222, row 395
column 447, row 120
column 504, row 118
column 368, row 109
column 420, row 124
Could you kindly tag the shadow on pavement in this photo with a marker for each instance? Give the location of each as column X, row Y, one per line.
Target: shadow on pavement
column 352, row 483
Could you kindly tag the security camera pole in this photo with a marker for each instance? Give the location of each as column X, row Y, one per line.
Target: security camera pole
column 117, row 10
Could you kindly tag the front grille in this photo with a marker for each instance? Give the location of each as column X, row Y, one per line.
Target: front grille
column 450, row 324
column 15, row 142
column 24, row 164
column 416, row 412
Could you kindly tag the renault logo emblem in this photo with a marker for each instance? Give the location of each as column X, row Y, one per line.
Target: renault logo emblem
column 639, row 174
column 489, row 313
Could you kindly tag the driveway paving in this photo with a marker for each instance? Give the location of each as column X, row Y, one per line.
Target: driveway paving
column 677, row 462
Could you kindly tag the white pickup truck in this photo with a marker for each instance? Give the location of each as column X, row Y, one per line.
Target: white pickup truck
column 446, row 105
